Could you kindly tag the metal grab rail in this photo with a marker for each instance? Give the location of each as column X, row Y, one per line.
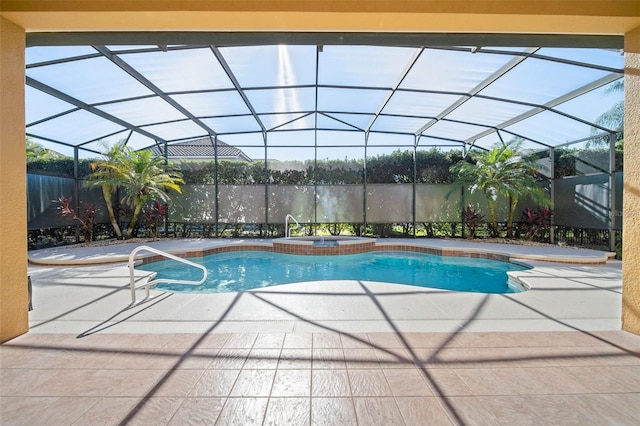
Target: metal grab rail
column 287, row 232
column 150, row 281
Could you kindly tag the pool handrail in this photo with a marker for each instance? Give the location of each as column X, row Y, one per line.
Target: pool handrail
column 149, row 279
column 287, row 232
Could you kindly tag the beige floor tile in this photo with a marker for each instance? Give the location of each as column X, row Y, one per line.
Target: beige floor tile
column 232, row 359
column 394, row 358
column 215, row 383
column 298, row 341
column 326, row 340
column 445, row 382
column 377, row 411
column 360, row 358
column 484, row 382
column 622, row 339
column 162, row 358
column 429, row 357
column 597, row 379
column 554, row 380
column 243, row 412
column 64, row 410
column 177, row 383
column 385, row 340
column 421, row 410
column 79, row 383
column 607, row 410
column 333, row 411
column 213, row 340
column 262, row 359
column 441, row 340
column 557, row 411
column 254, row 383
column 135, row 382
column 368, row 383
column 328, row 359
column 517, row 357
column 198, row 411
column 523, row 381
column 623, row 404
column 629, row 376
column 512, row 410
column 269, row 341
column 355, row 340
column 469, row 410
column 108, row 411
column 25, row 357
column 158, row 411
column 417, row 340
column 291, row 383
column 184, row 340
column 295, row 359
column 407, row 382
column 288, row 411
column 24, row 382
column 125, row 359
column 614, row 356
column 570, row 356
column 330, row 383
column 82, row 358
column 195, row 359
column 453, row 358
column 240, row 341
column 18, row 410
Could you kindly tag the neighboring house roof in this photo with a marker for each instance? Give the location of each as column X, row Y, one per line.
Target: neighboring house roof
column 200, row 149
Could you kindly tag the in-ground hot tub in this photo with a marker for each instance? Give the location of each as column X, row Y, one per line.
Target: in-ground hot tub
column 323, row 245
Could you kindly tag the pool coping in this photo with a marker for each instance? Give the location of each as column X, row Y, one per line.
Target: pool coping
column 118, row 253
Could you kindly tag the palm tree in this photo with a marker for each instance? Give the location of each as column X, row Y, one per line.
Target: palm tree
column 500, row 171
column 614, row 117
column 146, row 179
column 34, row 149
column 107, row 174
column 139, row 174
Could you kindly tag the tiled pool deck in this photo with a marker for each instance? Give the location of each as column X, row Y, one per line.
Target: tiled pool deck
column 334, row 353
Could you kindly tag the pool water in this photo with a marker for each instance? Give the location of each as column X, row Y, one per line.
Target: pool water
column 245, row 270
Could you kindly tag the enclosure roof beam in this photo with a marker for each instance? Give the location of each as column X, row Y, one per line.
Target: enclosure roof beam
column 89, row 108
column 395, row 87
column 163, row 38
column 234, row 80
column 149, row 85
column 549, row 106
column 485, row 83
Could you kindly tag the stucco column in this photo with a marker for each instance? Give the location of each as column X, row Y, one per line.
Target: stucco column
column 631, row 194
column 14, row 316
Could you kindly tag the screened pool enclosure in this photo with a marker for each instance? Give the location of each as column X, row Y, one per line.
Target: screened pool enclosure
column 312, row 103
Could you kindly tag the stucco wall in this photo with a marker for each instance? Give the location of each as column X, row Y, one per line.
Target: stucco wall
column 631, row 203
column 13, row 202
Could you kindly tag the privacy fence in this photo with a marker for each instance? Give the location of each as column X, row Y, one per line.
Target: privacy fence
column 586, row 210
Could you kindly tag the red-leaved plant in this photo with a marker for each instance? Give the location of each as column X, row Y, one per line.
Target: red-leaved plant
column 85, row 218
column 153, row 218
column 536, row 220
column 473, row 220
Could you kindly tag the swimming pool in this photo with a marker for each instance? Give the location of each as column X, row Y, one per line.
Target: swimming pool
column 246, row 270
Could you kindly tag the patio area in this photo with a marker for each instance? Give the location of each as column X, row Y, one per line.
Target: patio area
column 339, row 352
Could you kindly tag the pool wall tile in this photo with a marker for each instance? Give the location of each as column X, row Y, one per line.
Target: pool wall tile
column 342, row 248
